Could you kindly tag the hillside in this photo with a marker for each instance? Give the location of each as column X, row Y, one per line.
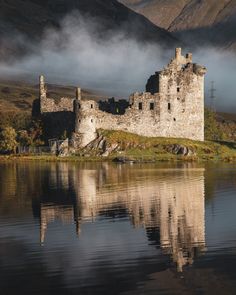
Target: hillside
column 17, row 96
column 209, row 21
column 30, row 18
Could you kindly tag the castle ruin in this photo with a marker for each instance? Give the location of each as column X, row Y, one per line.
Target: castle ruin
column 172, row 106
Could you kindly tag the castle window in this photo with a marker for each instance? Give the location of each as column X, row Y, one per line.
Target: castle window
column 78, row 106
column 91, row 106
column 91, row 120
column 151, row 105
column 140, row 106
column 178, row 89
column 174, row 119
column 168, row 106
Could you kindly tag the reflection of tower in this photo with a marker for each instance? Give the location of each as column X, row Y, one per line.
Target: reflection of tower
column 182, row 218
column 51, row 212
column 86, row 194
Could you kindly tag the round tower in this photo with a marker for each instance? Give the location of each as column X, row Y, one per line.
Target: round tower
column 85, row 125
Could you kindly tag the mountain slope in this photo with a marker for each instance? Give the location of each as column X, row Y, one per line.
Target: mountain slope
column 209, row 20
column 160, row 12
column 30, row 18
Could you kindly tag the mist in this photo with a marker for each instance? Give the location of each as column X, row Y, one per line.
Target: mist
column 114, row 65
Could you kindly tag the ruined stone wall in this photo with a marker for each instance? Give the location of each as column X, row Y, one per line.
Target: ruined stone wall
column 57, row 115
column 142, row 117
column 176, row 110
column 50, row 105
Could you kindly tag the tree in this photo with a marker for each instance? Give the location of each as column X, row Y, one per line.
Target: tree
column 8, row 141
column 212, row 128
column 35, row 132
column 23, row 138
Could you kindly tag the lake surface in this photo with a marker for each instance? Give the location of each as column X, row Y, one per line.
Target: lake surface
column 106, row 228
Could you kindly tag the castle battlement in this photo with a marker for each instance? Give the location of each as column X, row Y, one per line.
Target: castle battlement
column 172, row 106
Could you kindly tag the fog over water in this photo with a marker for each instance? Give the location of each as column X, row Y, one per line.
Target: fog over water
column 113, row 65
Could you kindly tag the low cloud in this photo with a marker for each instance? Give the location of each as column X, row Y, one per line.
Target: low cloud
column 114, row 65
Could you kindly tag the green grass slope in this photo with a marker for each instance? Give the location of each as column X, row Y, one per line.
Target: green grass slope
column 140, row 148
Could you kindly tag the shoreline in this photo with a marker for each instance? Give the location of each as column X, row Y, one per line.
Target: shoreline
column 115, row 159
column 123, row 147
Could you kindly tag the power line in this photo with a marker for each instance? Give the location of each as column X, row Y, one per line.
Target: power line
column 212, row 96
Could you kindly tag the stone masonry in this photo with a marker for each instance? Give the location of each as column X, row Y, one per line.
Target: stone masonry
column 172, row 106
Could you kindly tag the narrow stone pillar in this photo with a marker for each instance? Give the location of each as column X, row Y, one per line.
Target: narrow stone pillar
column 78, row 93
column 177, row 53
column 42, row 88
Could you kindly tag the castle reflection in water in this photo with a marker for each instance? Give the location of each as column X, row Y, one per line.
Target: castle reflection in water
column 167, row 201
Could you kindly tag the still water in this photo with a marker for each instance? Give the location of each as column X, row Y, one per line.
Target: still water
column 103, row 228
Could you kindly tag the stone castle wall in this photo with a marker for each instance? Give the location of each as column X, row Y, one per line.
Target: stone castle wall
column 50, row 105
column 141, row 121
column 172, row 106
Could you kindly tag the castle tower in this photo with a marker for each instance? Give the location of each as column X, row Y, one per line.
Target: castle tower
column 85, row 125
column 181, row 89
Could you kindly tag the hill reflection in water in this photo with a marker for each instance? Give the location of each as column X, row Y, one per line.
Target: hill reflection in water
column 167, row 203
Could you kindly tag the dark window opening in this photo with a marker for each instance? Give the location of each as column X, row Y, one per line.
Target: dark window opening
column 178, row 89
column 151, row 106
column 92, row 120
column 91, row 106
column 78, row 106
column 174, row 119
column 140, row 106
column 178, row 98
column 168, row 106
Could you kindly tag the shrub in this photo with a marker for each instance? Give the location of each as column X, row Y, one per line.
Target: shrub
column 8, row 141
